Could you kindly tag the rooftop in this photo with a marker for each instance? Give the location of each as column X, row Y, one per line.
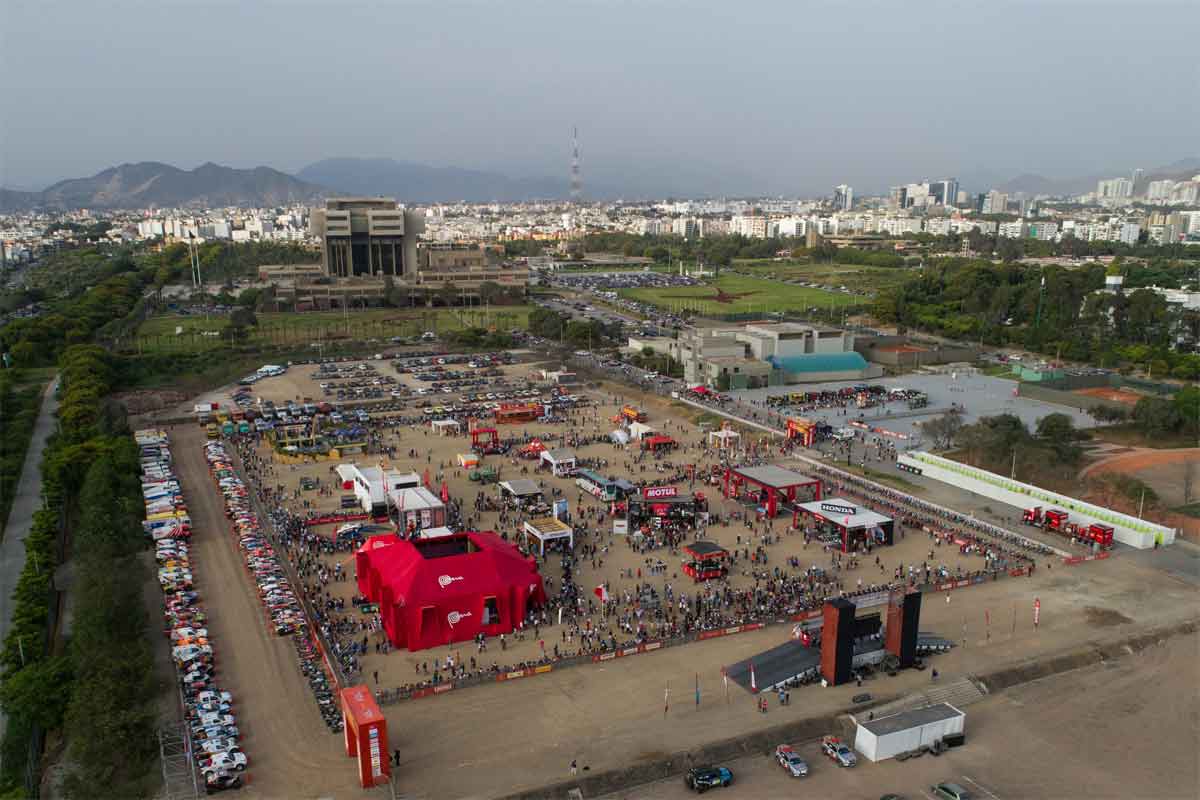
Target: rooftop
column 911, row 719
column 773, row 476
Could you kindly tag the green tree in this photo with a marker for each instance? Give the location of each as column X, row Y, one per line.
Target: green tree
column 1156, row 416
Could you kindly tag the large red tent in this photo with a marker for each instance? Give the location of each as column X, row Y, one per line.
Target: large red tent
column 432, row 592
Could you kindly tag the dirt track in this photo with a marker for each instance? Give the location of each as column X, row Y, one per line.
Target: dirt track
column 1143, row 458
column 291, row 752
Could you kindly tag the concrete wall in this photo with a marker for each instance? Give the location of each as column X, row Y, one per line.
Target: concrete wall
column 1126, row 529
column 872, row 371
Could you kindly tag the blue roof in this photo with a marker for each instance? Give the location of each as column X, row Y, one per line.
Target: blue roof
column 820, row 362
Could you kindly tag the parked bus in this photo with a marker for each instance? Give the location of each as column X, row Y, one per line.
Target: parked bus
column 596, row 485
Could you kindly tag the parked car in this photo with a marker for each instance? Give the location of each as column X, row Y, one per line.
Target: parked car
column 701, row 779
column 790, row 760
column 220, row 781
column 838, row 752
column 950, row 791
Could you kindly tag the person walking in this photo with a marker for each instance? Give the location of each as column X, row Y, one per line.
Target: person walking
column 574, row 767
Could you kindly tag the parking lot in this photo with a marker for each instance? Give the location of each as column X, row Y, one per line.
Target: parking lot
column 978, row 395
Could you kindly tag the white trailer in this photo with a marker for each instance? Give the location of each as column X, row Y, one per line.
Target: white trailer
column 883, row 738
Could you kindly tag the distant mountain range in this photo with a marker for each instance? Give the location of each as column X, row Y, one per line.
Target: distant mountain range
column 1039, row 184
column 149, row 183
column 146, row 184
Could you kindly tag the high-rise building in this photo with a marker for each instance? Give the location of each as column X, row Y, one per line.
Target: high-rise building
column 995, row 203
column 843, row 198
column 685, row 227
column 367, row 236
column 945, row 191
column 1135, row 179
column 1114, row 189
column 899, row 197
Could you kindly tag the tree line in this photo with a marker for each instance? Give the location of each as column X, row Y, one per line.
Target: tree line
column 100, row 690
column 1052, row 310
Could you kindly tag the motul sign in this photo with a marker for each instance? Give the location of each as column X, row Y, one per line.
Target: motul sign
column 655, row 492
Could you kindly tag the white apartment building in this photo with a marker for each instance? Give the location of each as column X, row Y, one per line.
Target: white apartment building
column 1044, row 230
column 1013, row 230
column 752, row 227
column 938, row 226
column 685, row 227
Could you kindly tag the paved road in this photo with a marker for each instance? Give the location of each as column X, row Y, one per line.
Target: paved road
column 20, row 518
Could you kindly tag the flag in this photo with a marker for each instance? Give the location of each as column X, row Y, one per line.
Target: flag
column 753, row 680
column 725, row 679
column 445, row 493
column 602, row 593
column 666, row 699
column 697, row 688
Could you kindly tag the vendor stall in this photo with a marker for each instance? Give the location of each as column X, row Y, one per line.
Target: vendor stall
column 415, row 508
column 548, row 529
column 705, row 561
column 723, row 439
column 664, row 508
column 561, row 461
column 659, row 443
column 468, row 460
column 846, row 523
column 766, row 485
column 445, row 427
column 520, row 493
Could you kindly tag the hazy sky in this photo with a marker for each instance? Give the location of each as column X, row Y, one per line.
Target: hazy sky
column 730, row 97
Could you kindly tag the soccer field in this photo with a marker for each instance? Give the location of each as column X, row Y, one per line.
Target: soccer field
column 738, row 294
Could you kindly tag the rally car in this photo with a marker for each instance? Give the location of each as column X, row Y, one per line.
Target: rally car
column 838, row 752
column 220, row 762
column 701, row 779
column 220, row 781
column 790, row 760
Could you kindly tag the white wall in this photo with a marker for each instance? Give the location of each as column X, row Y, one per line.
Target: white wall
column 878, row 748
column 1126, row 529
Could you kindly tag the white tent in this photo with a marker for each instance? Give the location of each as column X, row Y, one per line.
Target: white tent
column 561, row 460
column 619, row 436
column 639, row 431
column 724, row 438
column 548, row 529
column 443, row 427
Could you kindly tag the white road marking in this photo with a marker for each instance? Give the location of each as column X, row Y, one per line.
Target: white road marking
column 981, row 787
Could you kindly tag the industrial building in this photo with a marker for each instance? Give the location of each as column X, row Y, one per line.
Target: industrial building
column 762, row 354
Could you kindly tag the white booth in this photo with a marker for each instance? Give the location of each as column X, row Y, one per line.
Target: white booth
column 883, row 738
column 561, row 461
column 549, row 529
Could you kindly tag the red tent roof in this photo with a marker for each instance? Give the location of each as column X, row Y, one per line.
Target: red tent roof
column 660, row 439
column 434, row 591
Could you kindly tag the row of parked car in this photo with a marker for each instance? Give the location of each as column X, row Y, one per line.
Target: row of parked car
column 212, row 726
column 282, row 608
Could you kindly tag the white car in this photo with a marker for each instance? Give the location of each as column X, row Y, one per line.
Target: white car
column 232, row 759
column 214, row 746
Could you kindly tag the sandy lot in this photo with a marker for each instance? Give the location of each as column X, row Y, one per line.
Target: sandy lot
column 489, row 740
column 1073, row 735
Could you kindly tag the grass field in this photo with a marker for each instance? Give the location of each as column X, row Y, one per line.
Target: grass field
column 182, row 334
column 867, row 280
column 742, row 295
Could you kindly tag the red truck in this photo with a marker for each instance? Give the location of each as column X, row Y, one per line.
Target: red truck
column 1055, row 520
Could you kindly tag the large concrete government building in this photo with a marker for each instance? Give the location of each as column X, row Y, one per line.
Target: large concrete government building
column 366, row 236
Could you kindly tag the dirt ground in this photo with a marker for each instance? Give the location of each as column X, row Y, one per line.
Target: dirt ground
column 1025, row 742
column 619, row 566
column 1118, row 395
column 489, row 740
column 288, row 746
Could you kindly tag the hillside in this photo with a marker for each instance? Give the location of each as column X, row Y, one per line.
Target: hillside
column 149, row 183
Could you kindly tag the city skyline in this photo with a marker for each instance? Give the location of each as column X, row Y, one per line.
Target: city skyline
column 686, row 104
